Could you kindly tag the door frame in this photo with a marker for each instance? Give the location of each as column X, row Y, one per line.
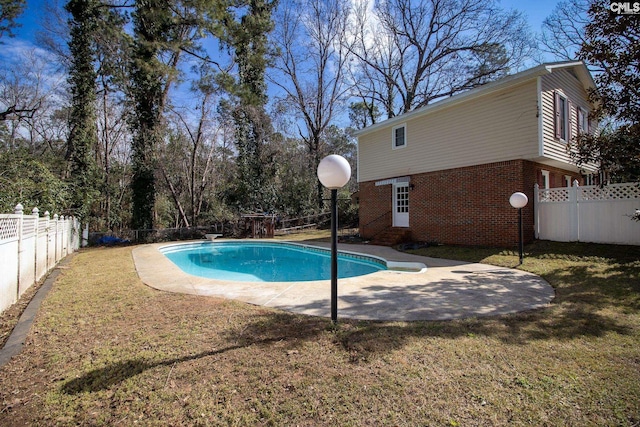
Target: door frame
column 400, row 219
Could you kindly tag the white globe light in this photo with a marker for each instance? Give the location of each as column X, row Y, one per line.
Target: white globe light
column 518, row 200
column 334, row 171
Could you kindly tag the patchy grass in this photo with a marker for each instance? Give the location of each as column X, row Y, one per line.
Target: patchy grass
column 323, row 235
column 9, row 318
column 107, row 350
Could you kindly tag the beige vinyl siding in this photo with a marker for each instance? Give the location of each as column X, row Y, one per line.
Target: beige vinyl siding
column 498, row 126
column 568, row 85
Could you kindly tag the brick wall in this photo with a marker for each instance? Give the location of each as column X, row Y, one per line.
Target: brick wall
column 463, row 206
column 374, row 209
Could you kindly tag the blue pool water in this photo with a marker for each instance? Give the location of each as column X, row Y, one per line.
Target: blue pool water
column 265, row 262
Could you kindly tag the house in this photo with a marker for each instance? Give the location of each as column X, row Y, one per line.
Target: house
column 444, row 173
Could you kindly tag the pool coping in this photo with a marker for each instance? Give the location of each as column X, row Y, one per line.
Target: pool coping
column 405, row 267
column 444, row 290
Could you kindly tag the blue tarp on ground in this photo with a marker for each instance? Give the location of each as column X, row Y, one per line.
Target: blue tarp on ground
column 111, row 240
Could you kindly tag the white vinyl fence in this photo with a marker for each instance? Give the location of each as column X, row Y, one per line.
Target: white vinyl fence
column 30, row 246
column 588, row 214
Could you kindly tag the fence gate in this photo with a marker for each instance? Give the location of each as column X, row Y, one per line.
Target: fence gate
column 588, row 214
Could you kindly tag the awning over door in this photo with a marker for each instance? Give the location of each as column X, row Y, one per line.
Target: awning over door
column 393, row 181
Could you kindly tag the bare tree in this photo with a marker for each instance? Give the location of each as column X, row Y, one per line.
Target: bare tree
column 112, row 149
column 29, row 94
column 189, row 158
column 310, row 38
column 563, row 32
column 410, row 53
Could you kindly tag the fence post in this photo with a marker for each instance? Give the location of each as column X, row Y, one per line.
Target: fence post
column 35, row 213
column 573, row 198
column 63, row 237
column 48, row 233
column 18, row 211
column 55, row 236
column 85, row 234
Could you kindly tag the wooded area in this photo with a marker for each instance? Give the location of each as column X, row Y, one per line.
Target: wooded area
column 176, row 113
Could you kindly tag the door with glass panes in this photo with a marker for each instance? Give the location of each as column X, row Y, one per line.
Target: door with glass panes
column 401, row 204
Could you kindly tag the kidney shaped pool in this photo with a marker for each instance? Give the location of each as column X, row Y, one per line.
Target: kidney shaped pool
column 266, row 262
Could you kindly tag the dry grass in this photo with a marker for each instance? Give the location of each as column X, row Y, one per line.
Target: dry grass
column 10, row 317
column 107, row 350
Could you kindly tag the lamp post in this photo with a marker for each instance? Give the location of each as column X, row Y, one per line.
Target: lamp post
column 519, row 200
column 334, row 172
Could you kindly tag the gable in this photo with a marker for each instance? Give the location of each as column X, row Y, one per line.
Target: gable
column 500, row 125
column 566, row 86
column 509, row 119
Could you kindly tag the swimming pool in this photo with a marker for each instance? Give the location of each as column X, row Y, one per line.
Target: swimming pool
column 266, row 262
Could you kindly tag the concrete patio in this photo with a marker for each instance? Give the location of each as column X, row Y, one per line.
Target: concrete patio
column 446, row 290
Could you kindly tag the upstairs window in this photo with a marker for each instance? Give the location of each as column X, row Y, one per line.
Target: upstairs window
column 399, row 136
column 561, row 111
column 583, row 120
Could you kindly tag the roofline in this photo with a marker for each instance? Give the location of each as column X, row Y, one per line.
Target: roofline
column 583, row 75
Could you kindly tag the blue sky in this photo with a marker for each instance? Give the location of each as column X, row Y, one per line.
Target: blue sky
column 31, row 19
column 536, row 12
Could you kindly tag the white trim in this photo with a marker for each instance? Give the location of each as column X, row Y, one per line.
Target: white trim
column 358, row 159
column 511, row 80
column 565, row 115
column 400, row 219
column 540, row 117
column 584, row 126
column 393, row 181
column 547, row 179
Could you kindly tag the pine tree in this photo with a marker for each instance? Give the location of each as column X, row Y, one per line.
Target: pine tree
column 9, row 11
column 82, row 122
column 248, row 38
column 152, row 25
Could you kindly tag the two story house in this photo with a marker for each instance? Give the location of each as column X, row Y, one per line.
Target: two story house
column 444, row 173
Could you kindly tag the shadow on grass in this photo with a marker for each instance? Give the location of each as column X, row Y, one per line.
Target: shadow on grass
column 263, row 330
column 597, row 287
column 587, row 305
column 104, row 378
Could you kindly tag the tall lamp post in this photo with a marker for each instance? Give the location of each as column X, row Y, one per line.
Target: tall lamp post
column 334, row 172
column 519, row 200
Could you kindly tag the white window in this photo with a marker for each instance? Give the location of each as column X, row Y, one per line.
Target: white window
column 399, row 136
column 545, row 180
column 562, row 122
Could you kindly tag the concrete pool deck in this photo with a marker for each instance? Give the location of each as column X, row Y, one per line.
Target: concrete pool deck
column 446, row 290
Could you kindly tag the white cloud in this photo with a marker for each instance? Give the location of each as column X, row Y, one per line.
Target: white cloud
column 13, row 50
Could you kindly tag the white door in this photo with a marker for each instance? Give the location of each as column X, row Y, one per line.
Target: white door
column 401, row 204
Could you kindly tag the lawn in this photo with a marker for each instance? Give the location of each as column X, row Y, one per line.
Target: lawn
column 107, row 350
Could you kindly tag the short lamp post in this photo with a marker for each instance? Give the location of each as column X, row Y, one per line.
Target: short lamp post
column 334, row 173
column 519, row 200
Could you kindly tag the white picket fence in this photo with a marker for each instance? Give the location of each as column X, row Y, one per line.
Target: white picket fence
column 588, row 214
column 30, row 246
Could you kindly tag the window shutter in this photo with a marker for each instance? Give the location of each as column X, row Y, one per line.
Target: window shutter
column 580, row 120
column 569, row 121
column 556, row 114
